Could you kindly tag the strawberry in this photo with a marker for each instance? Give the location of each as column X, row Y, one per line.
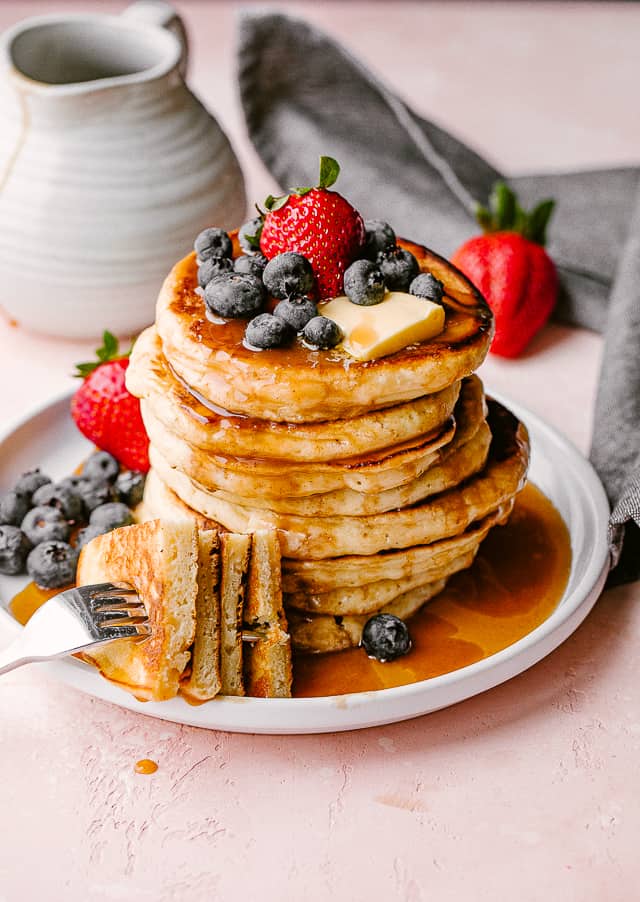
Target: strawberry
column 319, row 224
column 106, row 413
column 510, row 267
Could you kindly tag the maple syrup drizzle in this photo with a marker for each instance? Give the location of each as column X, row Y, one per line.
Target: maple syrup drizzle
column 145, row 766
column 23, row 605
column 516, row 581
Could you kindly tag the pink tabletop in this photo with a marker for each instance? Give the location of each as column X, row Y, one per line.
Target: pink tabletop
column 526, row 792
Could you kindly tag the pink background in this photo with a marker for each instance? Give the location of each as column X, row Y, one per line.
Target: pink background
column 526, row 792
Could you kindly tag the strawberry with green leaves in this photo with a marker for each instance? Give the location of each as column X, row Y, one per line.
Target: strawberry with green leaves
column 105, row 412
column 511, row 268
column 318, row 224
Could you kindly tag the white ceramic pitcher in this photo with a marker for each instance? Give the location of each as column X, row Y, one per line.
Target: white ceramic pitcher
column 109, row 167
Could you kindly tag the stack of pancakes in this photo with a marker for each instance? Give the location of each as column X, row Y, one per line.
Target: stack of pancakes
column 382, row 477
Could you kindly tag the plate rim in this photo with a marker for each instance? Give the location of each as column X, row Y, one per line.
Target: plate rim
column 564, row 619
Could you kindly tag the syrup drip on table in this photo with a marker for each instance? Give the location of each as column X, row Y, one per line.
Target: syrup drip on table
column 516, row 581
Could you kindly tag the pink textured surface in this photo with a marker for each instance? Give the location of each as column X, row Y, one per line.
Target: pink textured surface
column 527, row 792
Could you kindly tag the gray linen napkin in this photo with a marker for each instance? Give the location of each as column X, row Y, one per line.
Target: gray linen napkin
column 402, row 168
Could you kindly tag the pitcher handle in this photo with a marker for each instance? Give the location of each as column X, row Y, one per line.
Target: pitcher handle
column 162, row 15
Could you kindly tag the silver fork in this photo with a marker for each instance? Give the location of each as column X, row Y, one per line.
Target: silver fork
column 76, row 620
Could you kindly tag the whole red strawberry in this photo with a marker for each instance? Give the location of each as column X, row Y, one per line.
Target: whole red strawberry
column 510, row 267
column 106, row 413
column 319, row 224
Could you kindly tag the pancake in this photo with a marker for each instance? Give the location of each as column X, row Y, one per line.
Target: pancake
column 470, row 458
column 253, row 478
column 372, row 597
column 166, row 401
column 445, row 515
column 317, row 633
column 302, row 386
column 352, row 571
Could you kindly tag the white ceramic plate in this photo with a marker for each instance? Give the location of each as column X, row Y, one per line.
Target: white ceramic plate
column 48, row 439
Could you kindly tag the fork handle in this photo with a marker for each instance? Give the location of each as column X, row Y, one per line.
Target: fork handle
column 15, row 656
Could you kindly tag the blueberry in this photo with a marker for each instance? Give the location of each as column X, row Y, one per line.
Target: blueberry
column 296, row 312
column 101, row 465
column 363, row 283
column 288, row 275
column 322, row 332
column 87, row 534
column 235, row 296
column 94, row 493
column 378, row 237
column 14, row 548
column 71, row 483
column 130, row 487
column 111, row 516
column 53, row 564
column 427, row 286
column 385, row 637
column 45, row 524
column 214, row 266
column 30, row 482
column 399, row 268
column 266, row 331
column 212, row 243
column 61, row 496
column 249, row 235
column 251, row 265
column 13, row 507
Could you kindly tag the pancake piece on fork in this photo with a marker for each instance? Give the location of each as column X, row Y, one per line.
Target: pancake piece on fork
column 160, row 560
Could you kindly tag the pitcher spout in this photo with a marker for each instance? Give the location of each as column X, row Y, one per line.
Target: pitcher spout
column 74, row 54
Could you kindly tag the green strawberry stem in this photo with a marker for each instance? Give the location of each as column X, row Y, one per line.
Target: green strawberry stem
column 329, row 172
column 110, row 350
column 505, row 214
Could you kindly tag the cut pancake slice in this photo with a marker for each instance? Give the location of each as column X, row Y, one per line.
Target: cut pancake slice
column 234, row 573
column 317, row 633
column 203, row 681
column 160, row 560
column 267, row 667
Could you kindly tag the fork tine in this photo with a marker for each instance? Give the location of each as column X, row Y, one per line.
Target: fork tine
column 106, row 590
column 121, row 618
column 116, row 603
column 138, row 631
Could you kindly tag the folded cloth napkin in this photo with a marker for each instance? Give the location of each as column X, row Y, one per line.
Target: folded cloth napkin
column 409, row 171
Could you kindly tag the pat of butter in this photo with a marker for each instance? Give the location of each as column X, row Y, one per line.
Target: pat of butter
column 382, row 329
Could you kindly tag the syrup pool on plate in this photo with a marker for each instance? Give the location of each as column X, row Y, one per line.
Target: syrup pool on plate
column 516, row 581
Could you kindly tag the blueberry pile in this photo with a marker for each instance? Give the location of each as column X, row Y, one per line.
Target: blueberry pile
column 240, row 288
column 386, row 267
column 40, row 520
